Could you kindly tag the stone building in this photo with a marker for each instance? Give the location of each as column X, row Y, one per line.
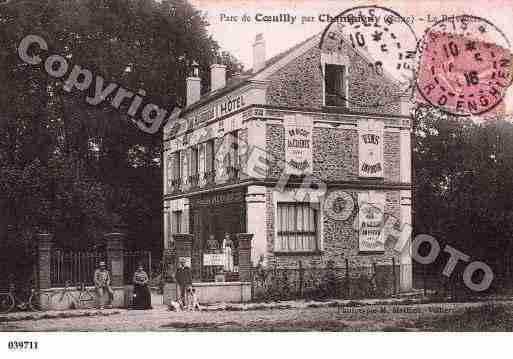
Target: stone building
column 282, row 152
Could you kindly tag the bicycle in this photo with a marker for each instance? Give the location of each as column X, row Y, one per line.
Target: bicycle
column 70, row 300
column 9, row 300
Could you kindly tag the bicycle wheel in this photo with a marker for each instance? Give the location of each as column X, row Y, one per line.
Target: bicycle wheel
column 63, row 301
column 86, row 300
column 6, row 303
column 39, row 301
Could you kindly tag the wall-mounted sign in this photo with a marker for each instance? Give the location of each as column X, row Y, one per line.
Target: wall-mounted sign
column 298, row 145
column 219, row 198
column 371, row 206
column 225, row 106
column 370, row 153
column 213, row 259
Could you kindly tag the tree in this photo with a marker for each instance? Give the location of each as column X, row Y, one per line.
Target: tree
column 463, row 180
column 73, row 168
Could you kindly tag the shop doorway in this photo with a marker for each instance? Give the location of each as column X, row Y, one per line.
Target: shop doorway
column 215, row 221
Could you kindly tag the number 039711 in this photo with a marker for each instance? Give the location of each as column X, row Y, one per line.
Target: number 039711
column 22, row 345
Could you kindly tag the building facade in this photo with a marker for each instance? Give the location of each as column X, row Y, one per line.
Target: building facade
column 284, row 153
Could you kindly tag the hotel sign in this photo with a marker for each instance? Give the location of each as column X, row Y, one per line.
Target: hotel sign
column 298, row 145
column 370, row 153
column 216, row 199
column 224, row 107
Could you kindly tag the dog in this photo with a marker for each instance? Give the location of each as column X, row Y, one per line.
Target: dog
column 176, row 306
column 192, row 300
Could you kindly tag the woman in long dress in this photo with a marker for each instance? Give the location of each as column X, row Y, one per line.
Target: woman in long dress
column 142, row 294
column 228, row 256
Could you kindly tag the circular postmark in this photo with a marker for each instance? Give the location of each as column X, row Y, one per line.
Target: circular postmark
column 465, row 66
column 377, row 48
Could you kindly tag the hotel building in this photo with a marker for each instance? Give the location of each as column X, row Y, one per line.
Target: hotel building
column 287, row 153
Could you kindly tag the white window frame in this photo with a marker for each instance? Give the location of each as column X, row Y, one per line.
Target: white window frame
column 177, row 225
column 335, row 58
column 290, row 196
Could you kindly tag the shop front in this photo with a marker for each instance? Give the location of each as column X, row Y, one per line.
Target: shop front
column 216, row 219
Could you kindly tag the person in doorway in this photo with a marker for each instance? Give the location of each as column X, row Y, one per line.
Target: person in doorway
column 261, row 273
column 183, row 280
column 142, row 294
column 228, row 256
column 102, row 284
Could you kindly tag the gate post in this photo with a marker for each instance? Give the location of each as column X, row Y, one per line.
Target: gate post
column 168, row 272
column 115, row 245
column 244, row 240
column 44, row 248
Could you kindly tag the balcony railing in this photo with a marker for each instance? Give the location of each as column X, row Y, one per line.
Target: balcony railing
column 176, row 184
column 233, row 173
column 210, row 177
column 193, row 180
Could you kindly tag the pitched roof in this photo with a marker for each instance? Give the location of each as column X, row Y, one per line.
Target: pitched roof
column 281, row 55
column 238, row 81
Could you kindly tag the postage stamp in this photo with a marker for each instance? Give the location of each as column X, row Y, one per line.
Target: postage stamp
column 465, row 65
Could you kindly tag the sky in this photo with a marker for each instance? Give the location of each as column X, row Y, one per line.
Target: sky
column 237, row 36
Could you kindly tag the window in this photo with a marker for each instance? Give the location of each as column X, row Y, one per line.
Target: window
column 297, row 228
column 335, row 85
column 176, row 165
column 234, row 150
column 194, row 161
column 170, row 167
column 177, row 222
column 169, row 227
column 210, row 156
column 231, row 159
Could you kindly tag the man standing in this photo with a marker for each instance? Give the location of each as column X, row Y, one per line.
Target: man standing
column 183, row 280
column 102, row 283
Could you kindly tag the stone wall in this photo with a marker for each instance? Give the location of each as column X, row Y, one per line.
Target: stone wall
column 275, row 147
column 299, row 84
column 340, row 239
column 364, row 95
column 335, row 153
column 391, row 156
column 243, row 152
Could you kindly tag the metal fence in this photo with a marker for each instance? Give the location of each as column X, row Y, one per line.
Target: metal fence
column 74, row 267
column 79, row 267
column 376, row 280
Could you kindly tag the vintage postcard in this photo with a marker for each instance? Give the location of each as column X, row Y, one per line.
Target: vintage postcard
column 255, row 166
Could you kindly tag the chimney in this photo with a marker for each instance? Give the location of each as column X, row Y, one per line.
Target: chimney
column 217, row 77
column 193, row 86
column 258, row 53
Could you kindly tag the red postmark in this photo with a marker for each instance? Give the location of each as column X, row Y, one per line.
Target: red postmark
column 465, row 66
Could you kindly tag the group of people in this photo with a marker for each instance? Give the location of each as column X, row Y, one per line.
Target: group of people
column 141, row 295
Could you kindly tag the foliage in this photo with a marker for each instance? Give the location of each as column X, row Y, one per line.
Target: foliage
column 72, row 168
column 463, row 180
